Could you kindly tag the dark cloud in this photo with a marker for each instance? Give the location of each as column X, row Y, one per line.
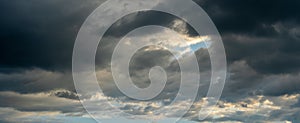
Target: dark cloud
column 39, row 102
column 45, row 38
column 244, row 81
column 35, row 80
column 139, row 19
column 267, row 54
column 248, row 16
column 261, row 38
column 40, row 33
column 264, row 33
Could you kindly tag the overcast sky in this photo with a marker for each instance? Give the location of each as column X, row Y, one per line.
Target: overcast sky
column 261, row 40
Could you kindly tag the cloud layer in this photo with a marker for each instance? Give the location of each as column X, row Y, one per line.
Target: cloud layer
column 261, row 39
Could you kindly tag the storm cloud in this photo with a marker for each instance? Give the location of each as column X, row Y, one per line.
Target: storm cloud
column 261, row 39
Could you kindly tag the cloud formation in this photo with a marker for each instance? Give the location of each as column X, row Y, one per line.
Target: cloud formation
column 261, row 39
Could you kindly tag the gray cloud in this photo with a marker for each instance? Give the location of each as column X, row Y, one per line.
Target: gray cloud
column 41, row 33
column 39, row 102
column 261, row 40
column 35, row 80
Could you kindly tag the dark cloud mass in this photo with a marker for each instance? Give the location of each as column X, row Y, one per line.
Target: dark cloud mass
column 264, row 33
column 247, row 16
column 40, row 33
column 261, row 39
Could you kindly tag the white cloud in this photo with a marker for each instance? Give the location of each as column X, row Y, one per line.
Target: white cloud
column 252, row 109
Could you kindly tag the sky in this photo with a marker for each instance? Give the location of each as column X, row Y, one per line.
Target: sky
column 261, row 40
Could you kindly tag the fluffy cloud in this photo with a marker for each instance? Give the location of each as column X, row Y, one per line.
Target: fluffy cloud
column 252, row 109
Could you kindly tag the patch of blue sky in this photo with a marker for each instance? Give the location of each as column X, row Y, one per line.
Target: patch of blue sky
column 198, row 46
